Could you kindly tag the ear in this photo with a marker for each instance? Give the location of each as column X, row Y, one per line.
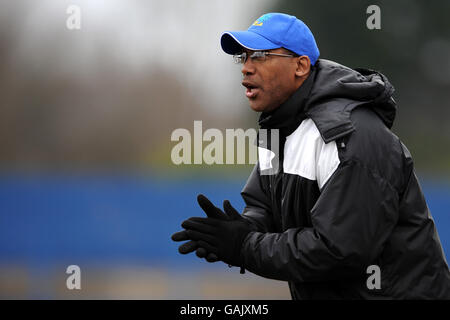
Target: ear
column 303, row 66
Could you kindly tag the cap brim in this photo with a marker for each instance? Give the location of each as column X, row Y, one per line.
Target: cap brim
column 233, row 41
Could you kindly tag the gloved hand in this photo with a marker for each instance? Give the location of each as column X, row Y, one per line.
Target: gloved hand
column 219, row 236
column 211, row 211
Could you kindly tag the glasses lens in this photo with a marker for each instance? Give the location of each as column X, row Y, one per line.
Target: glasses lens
column 258, row 56
column 240, row 58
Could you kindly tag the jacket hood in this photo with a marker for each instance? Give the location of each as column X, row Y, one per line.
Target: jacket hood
column 337, row 90
column 329, row 95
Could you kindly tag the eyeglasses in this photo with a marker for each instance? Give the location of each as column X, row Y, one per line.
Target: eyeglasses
column 258, row 56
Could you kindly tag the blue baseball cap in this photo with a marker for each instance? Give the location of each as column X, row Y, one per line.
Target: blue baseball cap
column 272, row 31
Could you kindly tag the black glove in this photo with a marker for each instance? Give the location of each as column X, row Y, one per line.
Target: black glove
column 211, row 211
column 219, row 236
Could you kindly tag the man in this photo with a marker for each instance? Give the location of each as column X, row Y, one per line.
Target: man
column 344, row 198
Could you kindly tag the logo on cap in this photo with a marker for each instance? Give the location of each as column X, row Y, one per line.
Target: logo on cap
column 259, row 21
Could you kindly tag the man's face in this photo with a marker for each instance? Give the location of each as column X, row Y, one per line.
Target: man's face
column 270, row 82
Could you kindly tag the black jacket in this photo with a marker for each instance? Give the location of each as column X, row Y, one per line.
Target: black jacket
column 344, row 196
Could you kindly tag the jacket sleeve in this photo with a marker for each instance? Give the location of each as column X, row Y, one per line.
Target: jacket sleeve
column 257, row 202
column 351, row 221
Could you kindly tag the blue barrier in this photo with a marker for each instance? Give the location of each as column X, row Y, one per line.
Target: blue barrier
column 120, row 219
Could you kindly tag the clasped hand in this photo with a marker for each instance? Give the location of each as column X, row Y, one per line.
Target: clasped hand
column 217, row 237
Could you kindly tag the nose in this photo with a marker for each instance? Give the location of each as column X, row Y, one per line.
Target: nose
column 248, row 67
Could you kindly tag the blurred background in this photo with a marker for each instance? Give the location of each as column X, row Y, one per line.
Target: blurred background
column 86, row 117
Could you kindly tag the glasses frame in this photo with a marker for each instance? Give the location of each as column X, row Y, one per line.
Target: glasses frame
column 242, row 57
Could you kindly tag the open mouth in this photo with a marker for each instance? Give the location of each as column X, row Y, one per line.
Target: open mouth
column 252, row 89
